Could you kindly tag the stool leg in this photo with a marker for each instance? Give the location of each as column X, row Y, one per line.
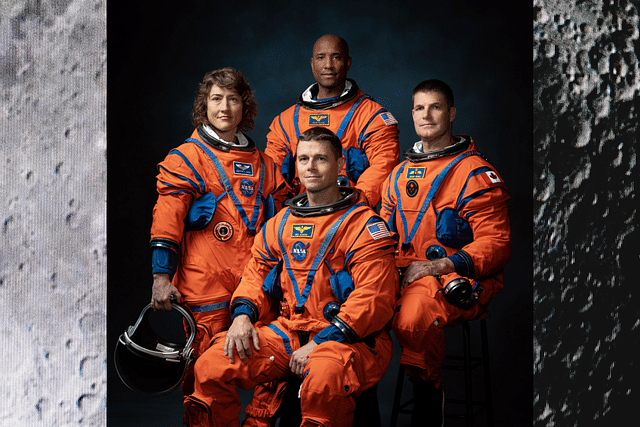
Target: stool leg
column 367, row 412
column 487, row 372
column 397, row 396
column 467, row 373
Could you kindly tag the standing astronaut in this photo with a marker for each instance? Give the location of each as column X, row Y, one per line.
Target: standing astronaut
column 368, row 132
column 215, row 192
column 449, row 208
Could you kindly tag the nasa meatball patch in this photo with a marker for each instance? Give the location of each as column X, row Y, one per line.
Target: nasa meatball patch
column 299, row 251
column 247, row 187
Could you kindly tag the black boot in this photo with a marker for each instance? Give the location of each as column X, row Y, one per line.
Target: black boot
column 428, row 404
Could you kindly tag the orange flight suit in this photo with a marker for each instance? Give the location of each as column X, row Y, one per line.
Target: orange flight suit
column 211, row 259
column 368, row 132
column 471, row 192
column 341, row 259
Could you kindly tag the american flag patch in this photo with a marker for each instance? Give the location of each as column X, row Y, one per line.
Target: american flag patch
column 378, row 230
column 388, row 118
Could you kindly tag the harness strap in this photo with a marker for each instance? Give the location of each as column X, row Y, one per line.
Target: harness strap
column 301, row 298
column 435, row 185
column 226, row 182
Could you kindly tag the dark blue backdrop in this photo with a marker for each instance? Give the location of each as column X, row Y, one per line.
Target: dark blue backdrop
column 158, row 52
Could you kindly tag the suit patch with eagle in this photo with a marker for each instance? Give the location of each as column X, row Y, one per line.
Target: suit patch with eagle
column 416, row 172
column 303, row 231
column 318, row 120
column 241, row 168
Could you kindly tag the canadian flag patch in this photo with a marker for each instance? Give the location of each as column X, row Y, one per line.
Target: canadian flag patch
column 491, row 177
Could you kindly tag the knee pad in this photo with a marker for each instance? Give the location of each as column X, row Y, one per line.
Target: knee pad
column 197, row 413
column 417, row 311
column 265, row 402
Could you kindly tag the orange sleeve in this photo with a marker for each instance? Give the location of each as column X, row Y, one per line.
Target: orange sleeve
column 178, row 183
column 278, row 141
column 371, row 264
column 280, row 190
column 383, row 150
column 261, row 262
column 389, row 203
column 489, row 219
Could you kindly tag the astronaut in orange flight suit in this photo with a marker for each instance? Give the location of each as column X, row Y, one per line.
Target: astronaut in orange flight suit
column 368, row 132
column 331, row 264
column 215, row 192
column 449, row 208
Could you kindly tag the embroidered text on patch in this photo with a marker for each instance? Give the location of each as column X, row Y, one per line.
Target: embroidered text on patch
column 378, row 230
column 302, row 231
column 240, row 168
column 318, row 120
column 415, row 173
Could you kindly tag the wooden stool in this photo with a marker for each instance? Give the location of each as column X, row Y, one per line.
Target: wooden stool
column 453, row 362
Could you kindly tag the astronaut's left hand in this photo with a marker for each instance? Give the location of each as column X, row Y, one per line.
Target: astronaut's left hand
column 419, row 269
column 300, row 358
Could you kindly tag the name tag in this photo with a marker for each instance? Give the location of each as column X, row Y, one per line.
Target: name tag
column 302, row 231
column 415, row 173
column 318, row 120
column 240, row 168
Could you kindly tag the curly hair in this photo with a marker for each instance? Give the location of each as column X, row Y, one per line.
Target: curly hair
column 227, row 78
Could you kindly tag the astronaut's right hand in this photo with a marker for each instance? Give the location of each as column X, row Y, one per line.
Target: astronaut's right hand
column 162, row 291
column 240, row 336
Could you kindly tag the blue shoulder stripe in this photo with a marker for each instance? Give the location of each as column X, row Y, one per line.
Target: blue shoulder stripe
column 461, row 202
column 473, row 173
column 284, row 131
column 467, row 199
column 347, row 118
column 362, row 136
column 296, row 116
column 193, row 169
column 266, row 245
column 399, row 201
column 184, row 178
